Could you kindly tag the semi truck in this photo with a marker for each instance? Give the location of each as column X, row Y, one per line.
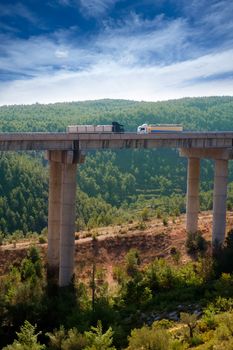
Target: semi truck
column 159, row 128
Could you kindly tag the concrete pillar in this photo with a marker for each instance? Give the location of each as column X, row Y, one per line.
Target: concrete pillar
column 67, row 225
column 55, row 171
column 192, row 204
column 219, row 201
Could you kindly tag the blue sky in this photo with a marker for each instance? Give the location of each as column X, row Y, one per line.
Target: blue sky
column 72, row 50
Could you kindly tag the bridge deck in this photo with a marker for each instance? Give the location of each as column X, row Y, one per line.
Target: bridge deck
column 90, row 141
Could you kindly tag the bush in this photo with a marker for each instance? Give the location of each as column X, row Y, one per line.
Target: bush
column 42, row 240
column 56, row 338
column 165, row 221
column 132, row 262
column 195, row 243
column 145, row 214
column 149, row 338
column 195, row 341
column 74, row 341
column 209, row 319
column 141, row 225
column 1, row 238
column 175, row 253
column 223, row 256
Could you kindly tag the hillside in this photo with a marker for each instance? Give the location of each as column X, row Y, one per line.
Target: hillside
column 153, row 240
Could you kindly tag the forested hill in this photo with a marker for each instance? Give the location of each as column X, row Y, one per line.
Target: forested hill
column 206, row 113
column 106, row 178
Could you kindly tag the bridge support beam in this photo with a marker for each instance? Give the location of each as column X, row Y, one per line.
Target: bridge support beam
column 61, row 217
column 192, row 204
column 219, row 201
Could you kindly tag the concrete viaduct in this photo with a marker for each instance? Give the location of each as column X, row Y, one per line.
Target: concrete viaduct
column 66, row 150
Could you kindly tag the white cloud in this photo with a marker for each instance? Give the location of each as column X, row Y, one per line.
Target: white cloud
column 40, row 55
column 115, row 81
column 18, row 9
column 211, row 19
column 136, row 42
column 96, row 8
column 131, row 58
column 147, row 42
column 61, row 53
column 90, row 8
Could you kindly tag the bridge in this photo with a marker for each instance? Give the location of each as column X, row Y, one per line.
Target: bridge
column 66, row 150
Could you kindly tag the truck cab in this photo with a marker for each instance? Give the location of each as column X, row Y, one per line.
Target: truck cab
column 142, row 129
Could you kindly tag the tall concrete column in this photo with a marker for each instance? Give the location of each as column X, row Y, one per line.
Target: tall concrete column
column 219, row 201
column 55, row 172
column 67, row 226
column 192, row 204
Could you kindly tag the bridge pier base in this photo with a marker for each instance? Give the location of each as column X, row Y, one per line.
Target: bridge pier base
column 192, row 204
column 61, row 217
column 219, row 201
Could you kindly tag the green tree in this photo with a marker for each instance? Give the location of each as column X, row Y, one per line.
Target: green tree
column 27, row 339
column 97, row 340
column 190, row 320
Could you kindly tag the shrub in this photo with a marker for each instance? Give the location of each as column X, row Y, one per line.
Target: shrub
column 225, row 327
column 119, row 275
column 74, row 341
column 159, row 275
column 56, row 338
column 165, row 221
column 31, row 267
column 223, row 256
column 175, row 253
column 42, row 240
column 141, row 225
column 149, row 338
column 195, row 341
column 62, row 340
column 145, row 214
column 132, row 262
column 195, row 243
column 209, row 319
column 1, row 238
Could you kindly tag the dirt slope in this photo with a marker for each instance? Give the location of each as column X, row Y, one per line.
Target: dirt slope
column 155, row 240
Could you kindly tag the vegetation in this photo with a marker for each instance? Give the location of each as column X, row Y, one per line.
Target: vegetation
column 41, row 316
column 159, row 306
